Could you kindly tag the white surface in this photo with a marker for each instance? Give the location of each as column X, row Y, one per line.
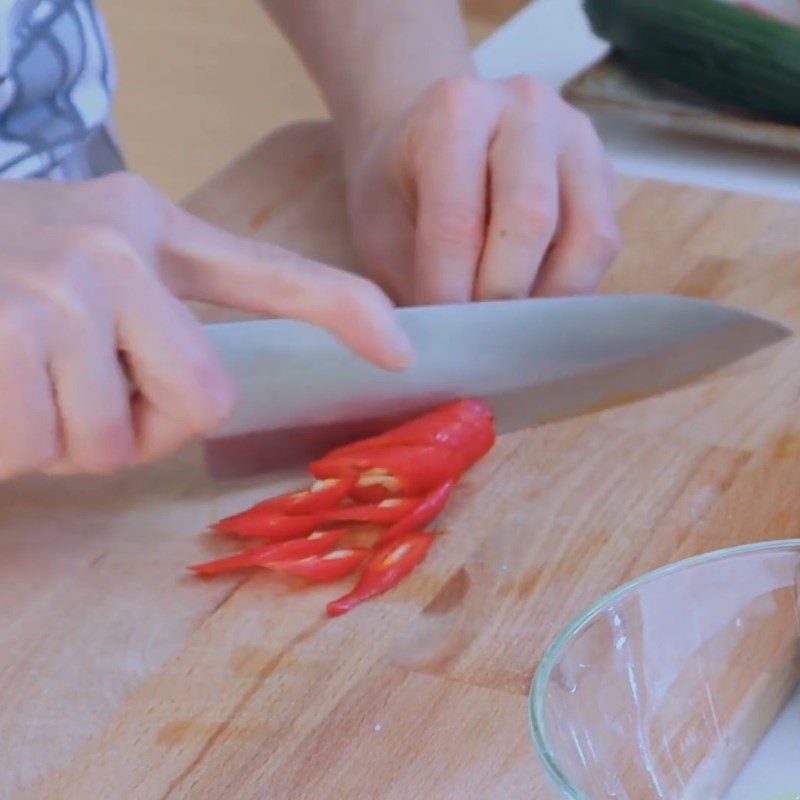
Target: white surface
column 773, row 771
column 552, row 39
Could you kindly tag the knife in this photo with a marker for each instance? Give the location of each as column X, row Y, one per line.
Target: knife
column 302, row 392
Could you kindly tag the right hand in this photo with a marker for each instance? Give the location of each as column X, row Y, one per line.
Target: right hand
column 101, row 364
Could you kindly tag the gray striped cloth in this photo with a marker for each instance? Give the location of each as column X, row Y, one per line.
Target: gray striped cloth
column 56, row 83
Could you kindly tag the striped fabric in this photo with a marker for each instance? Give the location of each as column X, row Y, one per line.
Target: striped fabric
column 56, row 83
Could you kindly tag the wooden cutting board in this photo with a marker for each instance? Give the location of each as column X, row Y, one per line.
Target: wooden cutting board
column 123, row 677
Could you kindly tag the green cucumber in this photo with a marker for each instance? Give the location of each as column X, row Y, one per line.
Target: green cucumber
column 716, row 49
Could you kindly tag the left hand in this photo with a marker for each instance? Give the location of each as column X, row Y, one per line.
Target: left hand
column 483, row 190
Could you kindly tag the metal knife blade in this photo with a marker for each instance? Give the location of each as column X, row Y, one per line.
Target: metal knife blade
column 302, row 392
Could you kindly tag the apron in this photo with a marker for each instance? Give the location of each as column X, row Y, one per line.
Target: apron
column 57, row 79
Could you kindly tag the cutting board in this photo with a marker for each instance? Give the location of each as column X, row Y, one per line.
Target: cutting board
column 121, row 676
column 610, row 86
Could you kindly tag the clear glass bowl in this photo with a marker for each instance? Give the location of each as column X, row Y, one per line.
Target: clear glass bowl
column 667, row 686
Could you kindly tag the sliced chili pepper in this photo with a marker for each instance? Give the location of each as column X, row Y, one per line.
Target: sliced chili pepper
column 371, row 494
column 391, row 510
column 464, row 425
column 317, row 543
column 393, row 471
column 328, row 567
column 424, row 512
column 322, row 495
column 427, row 429
column 268, row 526
column 387, row 567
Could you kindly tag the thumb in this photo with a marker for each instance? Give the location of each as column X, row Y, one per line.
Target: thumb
column 210, row 265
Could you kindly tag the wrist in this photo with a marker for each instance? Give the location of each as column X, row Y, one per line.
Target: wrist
column 380, row 108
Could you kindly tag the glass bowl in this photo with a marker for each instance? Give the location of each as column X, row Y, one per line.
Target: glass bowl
column 680, row 685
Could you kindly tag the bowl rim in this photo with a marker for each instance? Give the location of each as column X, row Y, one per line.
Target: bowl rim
column 556, row 648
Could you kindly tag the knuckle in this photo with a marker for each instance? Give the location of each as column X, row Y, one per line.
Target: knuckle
column 454, row 227
column 532, row 217
column 529, row 89
column 458, row 97
column 214, row 414
column 100, row 241
column 82, row 247
column 126, row 190
column 581, row 120
column 61, row 285
column 215, row 392
column 129, row 202
column 108, row 450
column 584, row 129
column 357, row 298
column 368, row 294
column 604, row 245
column 452, row 89
column 83, row 239
column 99, row 246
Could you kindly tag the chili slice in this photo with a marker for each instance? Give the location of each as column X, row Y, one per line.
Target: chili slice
column 322, row 495
column 268, row 526
column 328, row 567
column 393, row 471
column 372, row 493
column 317, row 543
column 425, row 511
column 465, row 426
column 387, row 567
column 391, row 510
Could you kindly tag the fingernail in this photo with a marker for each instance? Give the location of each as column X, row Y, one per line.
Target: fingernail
column 401, row 355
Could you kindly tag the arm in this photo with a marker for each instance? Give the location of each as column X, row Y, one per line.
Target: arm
column 101, row 364
column 458, row 188
column 372, row 59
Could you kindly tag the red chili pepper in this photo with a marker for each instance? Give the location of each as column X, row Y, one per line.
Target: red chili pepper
column 371, row 494
column 268, row 526
column 387, row 567
column 465, row 426
column 322, row 495
column 317, row 543
column 424, row 512
column 393, row 471
column 391, row 510
column 329, row 567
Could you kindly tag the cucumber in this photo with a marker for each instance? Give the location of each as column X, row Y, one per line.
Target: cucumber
column 719, row 50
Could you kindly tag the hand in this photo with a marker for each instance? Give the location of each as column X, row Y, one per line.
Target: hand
column 483, row 190
column 101, row 365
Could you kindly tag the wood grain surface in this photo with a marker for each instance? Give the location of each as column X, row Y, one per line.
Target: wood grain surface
column 123, row 677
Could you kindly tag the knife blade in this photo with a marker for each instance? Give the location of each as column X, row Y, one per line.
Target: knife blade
column 302, row 392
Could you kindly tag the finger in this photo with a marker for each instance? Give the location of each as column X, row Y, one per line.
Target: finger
column 183, row 391
column 158, row 432
column 29, row 437
column 389, row 253
column 523, row 163
column 215, row 267
column 93, row 404
column 384, row 238
column 451, row 185
column 589, row 239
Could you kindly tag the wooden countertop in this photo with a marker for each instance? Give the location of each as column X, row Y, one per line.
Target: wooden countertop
column 123, row 677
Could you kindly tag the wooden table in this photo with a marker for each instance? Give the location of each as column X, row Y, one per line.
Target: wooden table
column 123, row 677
